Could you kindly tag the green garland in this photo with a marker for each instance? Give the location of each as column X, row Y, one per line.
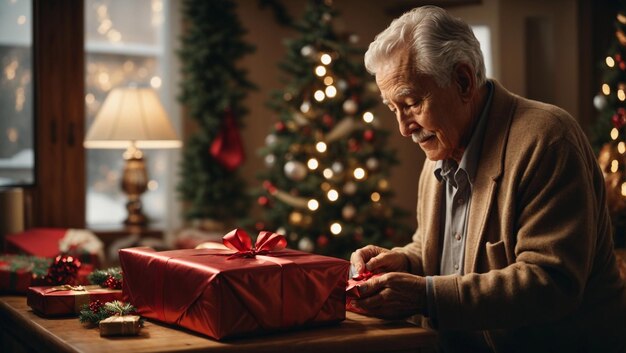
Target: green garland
column 95, row 311
column 100, row 276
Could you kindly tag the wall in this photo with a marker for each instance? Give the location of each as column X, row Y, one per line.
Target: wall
column 367, row 18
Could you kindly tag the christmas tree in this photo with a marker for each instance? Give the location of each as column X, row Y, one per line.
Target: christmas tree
column 212, row 91
column 326, row 186
column 610, row 128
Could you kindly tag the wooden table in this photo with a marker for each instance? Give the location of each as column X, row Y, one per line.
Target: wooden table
column 21, row 330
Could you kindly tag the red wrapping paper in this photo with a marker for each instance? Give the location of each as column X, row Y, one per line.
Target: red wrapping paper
column 63, row 300
column 213, row 293
column 353, row 293
column 44, row 242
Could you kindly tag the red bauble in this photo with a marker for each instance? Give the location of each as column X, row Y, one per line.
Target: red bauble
column 622, row 65
column 63, row 270
column 322, row 241
column 368, row 135
column 618, row 57
column 617, row 122
column 113, row 283
column 267, row 185
column 280, row 126
column 328, row 120
column 263, row 201
column 353, row 145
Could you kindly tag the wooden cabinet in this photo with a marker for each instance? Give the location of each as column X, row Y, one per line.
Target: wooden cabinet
column 58, row 197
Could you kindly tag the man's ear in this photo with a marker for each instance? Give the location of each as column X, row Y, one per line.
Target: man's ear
column 465, row 80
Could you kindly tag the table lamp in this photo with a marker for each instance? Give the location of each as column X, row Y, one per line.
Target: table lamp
column 132, row 118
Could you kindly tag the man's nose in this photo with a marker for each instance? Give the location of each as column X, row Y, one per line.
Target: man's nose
column 405, row 125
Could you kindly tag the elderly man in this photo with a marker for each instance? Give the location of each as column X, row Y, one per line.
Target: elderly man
column 513, row 250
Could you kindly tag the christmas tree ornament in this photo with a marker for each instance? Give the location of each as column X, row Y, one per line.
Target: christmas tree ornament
column 263, row 201
column 227, row 147
column 63, row 270
column 113, row 283
column 280, row 126
column 368, row 135
column 599, row 101
column 349, row 188
column 350, row 107
column 270, row 139
column 307, row 51
column 305, row 244
column 328, row 120
column 354, row 145
column 322, row 241
column 383, row 185
column 295, row 170
column 295, row 218
column 337, row 167
column 348, row 212
column 270, row 159
column 342, row 85
column 372, row 163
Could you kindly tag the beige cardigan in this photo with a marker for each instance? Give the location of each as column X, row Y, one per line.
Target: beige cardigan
column 540, row 274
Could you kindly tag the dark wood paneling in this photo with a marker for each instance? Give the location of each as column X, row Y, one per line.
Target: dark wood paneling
column 59, row 195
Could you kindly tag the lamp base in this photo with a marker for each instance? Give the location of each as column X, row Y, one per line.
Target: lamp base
column 134, row 183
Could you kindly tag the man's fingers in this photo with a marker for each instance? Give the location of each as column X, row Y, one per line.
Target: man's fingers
column 360, row 257
column 372, row 286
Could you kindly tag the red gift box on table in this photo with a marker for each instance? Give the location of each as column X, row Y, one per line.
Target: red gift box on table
column 49, row 242
column 225, row 293
column 66, row 299
column 18, row 272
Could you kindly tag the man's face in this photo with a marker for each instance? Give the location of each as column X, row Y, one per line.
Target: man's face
column 435, row 118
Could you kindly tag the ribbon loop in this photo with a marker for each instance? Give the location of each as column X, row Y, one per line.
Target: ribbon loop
column 238, row 240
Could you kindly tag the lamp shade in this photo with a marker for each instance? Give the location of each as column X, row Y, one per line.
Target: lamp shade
column 132, row 115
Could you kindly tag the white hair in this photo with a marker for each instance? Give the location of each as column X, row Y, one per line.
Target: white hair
column 437, row 42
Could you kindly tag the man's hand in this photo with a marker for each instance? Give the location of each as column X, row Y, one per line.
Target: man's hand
column 376, row 259
column 393, row 295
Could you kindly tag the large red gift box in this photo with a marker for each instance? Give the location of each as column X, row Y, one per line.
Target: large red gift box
column 67, row 300
column 216, row 293
column 46, row 242
column 18, row 272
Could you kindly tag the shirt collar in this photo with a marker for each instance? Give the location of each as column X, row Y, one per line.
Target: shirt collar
column 469, row 161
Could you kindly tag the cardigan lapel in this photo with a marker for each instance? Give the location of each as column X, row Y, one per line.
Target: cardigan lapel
column 488, row 173
column 432, row 238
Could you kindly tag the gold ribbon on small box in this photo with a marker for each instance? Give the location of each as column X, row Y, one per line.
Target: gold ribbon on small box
column 81, row 293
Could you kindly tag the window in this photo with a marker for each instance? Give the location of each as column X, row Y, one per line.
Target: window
column 126, row 44
column 16, row 93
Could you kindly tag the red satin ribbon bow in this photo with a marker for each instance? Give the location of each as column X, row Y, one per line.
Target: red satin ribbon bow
column 239, row 240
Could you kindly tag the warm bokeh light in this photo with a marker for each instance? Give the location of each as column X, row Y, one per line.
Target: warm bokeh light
column 359, row 173
column 312, row 164
column 335, row 228
column 332, row 195
column 313, row 204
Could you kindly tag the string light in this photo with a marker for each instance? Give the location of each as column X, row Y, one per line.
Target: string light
column 313, row 205
column 623, row 189
column 328, row 173
column 332, row 195
column 312, row 163
column 621, row 95
column 614, row 166
column 335, row 228
column 320, row 71
column 328, row 80
column 359, row 173
column 319, row 95
column 610, row 62
column 331, row 91
column 326, row 59
column 368, row 117
column 321, row 147
column 375, row 197
column 606, row 89
column 614, row 133
column 621, row 147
